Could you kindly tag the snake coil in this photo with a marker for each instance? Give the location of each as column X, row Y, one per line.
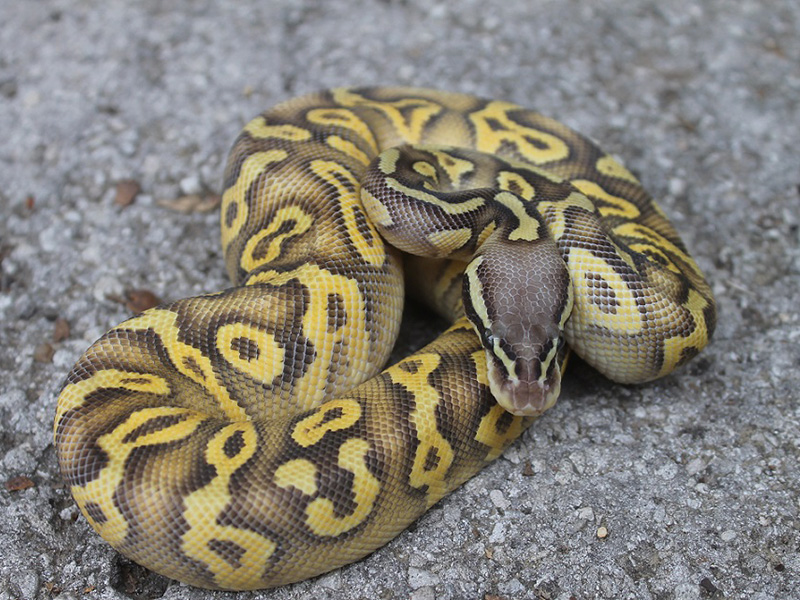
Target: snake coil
column 246, row 438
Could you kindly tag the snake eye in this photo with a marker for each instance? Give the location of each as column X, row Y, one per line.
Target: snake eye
column 488, row 336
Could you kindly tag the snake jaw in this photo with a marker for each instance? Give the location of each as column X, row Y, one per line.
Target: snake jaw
column 524, row 396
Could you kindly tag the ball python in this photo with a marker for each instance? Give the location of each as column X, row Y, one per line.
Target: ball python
column 248, row 438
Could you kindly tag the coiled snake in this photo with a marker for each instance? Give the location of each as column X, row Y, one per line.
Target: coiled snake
column 245, row 439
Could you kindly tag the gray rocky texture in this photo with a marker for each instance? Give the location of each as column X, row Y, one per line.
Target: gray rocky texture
column 694, row 478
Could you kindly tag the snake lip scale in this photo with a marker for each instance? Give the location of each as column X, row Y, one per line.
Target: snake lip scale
column 248, row 438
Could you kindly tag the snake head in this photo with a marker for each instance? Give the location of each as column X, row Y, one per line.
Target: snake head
column 523, row 367
column 519, row 302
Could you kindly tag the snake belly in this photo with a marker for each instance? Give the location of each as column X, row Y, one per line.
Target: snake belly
column 246, row 439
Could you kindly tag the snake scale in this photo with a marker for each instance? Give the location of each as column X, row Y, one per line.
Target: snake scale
column 246, row 439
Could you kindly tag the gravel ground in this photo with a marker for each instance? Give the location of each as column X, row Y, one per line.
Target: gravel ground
column 694, row 479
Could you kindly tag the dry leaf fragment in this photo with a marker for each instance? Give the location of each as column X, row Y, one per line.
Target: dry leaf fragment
column 60, row 330
column 126, row 192
column 43, row 353
column 140, row 300
column 15, row 484
column 527, row 470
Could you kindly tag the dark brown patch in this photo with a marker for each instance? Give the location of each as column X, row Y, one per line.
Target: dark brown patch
column 536, row 143
column 409, row 366
column 230, row 214
column 234, row 444
column 135, row 381
column 688, row 354
column 495, row 125
column 431, row 459
column 602, row 294
column 151, row 426
column 263, row 245
column 362, row 224
column 247, row 348
column 514, row 187
column 337, row 315
column 332, row 415
column 229, row 551
column 192, row 365
column 95, row 512
column 503, row 423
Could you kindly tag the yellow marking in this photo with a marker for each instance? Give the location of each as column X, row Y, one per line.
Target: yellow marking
column 343, row 347
column 269, row 359
column 205, row 504
column 426, row 169
column 650, row 249
column 514, row 182
column 450, row 240
column 258, row 128
column 451, row 208
column 377, row 211
column 554, row 212
column 347, row 147
column 455, row 167
column 368, row 243
column 494, row 128
column 612, row 206
column 426, row 401
column 313, row 428
column 302, row 223
column 187, row 359
column 103, row 489
column 408, row 116
column 488, row 434
column 299, row 473
column 528, row 228
column 476, row 291
column 252, row 167
column 75, row 394
column 345, row 118
column 584, row 267
column 387, row 160
column 486, row 232
column 662, row 244
column 321, row 518
column 608, row 166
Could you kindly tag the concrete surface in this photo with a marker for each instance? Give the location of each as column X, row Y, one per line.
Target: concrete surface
column 695, row 478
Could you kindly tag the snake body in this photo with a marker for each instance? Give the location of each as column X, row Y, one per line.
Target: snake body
column 245, row 439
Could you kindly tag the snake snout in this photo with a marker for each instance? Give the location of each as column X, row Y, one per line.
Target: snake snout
column 525, row 393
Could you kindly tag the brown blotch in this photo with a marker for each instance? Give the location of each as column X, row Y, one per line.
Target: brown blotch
column 536, row 143
column 151, row 426
column 503, row 423
column 263, row 245
column 192, row 365
column 247, row 348
column 230, row 214
column 337, row 315
column 135, row 381
column 234, row 444
column 409, row 366
column 431, row 459
column 688, row 354
column 229, row 551
column 602, row 295
column 332, row 415
column 95, row 512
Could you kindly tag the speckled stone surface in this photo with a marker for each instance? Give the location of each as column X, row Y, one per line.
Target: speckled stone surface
column 684, row 488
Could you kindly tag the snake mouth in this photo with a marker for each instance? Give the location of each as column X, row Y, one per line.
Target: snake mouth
column 524, row 397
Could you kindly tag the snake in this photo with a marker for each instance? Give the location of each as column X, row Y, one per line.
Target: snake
column 249, row 438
